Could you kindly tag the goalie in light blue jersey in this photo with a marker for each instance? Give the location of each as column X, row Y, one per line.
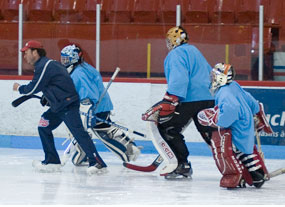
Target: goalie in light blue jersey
column 188, row 78
column 237, row 115
column 89, row 85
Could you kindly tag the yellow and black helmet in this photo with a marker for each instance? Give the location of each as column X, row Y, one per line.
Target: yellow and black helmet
column 175, row 37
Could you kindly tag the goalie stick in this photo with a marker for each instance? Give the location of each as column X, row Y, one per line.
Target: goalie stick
column 277, row 172
column 150, row 168
column 22, row 99
column 259, row 145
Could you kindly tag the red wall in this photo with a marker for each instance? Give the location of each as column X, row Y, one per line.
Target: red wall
column 124, row 37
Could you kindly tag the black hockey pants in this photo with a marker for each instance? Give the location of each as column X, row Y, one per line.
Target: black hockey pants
column 171, row 131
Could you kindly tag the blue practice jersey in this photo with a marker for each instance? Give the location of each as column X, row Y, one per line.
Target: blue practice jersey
column 237, row 108
column 188, row 74
column 88, row 83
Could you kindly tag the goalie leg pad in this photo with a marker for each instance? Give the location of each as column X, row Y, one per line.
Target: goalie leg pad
column 86, row 113
column 121, row 137
column 255, row 172
column 261, row 162
column 229, row 166
column 164, row 150
column 79, row 156
column 112, row 144
column 118, row 142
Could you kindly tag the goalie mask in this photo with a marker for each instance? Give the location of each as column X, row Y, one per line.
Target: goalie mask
column 221, row 74
column 175, row 37
column 70, row 56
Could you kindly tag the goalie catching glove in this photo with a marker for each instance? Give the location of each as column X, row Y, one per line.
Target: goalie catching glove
column 162, row 111
column 209, row 117
column 261, row 122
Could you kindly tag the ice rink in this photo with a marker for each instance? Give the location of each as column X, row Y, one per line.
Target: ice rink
column 21, row 185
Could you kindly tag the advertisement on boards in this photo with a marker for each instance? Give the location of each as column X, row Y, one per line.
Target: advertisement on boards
column 274, row 107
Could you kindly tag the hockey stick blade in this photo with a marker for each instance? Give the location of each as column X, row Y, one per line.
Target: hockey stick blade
column 22, row 99
column 152, row 167
column 277, row 172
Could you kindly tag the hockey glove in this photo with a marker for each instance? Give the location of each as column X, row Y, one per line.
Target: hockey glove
column 162, row 111
column 209, row 117
column 261, row 122
column 44, row 101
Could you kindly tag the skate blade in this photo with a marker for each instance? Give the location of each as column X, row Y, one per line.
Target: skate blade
column 178, row 177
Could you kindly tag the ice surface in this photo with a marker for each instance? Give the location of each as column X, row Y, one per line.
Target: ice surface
column 20, row 184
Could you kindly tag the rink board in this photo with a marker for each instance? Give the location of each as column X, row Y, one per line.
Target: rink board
column 21, row 121
column 195, row 148
column 274, row 106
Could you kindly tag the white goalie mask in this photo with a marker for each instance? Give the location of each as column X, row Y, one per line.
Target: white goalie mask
column 70, row 55
column 221, row 74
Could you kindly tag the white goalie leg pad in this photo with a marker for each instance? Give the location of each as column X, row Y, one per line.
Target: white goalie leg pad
column 79, row 156
column 122, row 137
column 85, row 113
column 67, row 154
column 164, row 150
column 117, row 149
column 70, row 150
column 118, row 142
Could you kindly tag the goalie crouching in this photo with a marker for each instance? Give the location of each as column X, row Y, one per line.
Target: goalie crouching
column 236, row 115
column 89, row 85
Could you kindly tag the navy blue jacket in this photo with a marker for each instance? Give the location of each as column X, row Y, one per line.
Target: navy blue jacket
column 53, row 80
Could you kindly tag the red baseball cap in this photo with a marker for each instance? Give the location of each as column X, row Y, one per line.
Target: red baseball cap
column 32, row 44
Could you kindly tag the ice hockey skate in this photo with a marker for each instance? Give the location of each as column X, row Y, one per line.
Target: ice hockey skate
column 183, row 171
column 41, row 166
column 258, row 178
column 96, row 169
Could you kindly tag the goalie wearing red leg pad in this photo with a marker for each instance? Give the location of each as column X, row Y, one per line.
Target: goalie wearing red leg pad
column 234, row 172
column 228, row 165
column 261, row 122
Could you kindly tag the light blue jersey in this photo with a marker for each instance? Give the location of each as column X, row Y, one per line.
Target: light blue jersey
column 237, row 108
column 188, row 74
column 88, row 84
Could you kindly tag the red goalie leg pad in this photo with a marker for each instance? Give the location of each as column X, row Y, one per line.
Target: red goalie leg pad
column 261, row 162
column 245, row 173
column 227, row 163
column 246, row 176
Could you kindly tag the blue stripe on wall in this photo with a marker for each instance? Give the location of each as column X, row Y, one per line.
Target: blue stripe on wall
column 195, row 148
column 279, row 67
